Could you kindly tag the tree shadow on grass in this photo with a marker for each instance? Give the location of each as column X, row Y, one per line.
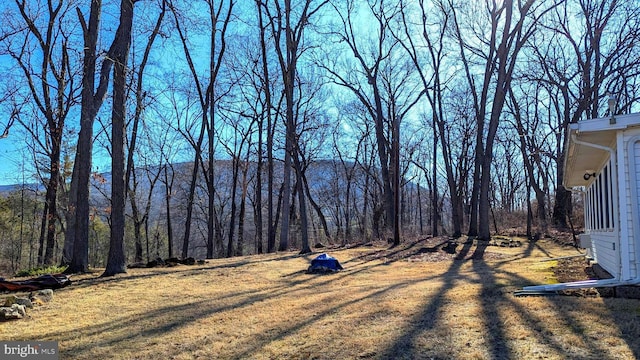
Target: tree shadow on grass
column 629, row 320
column 149, row 324
column 498, row 342
column 145, row 273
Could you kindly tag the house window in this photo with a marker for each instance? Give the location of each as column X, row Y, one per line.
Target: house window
column 599, row 214
column 608, row 223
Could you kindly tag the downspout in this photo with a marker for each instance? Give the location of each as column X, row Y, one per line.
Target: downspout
column 634, row 198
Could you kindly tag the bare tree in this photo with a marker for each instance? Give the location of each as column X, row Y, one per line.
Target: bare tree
column 39, row 45
column 511, row 25
column 266, row 114
column 587, row 49
column 383, row 82
column 349, row 167
column 370, row 68
column 116, row 262
column 220, row 18
column 533, row 140
column 140, row 95
column 77, row 234
column 235, row 146
column 431, row 67
column 288, row 26
column 168, row 181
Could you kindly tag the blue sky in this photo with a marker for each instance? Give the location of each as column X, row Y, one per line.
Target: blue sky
column 11, row 159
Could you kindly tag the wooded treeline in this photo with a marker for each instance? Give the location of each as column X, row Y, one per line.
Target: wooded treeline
column 221, row 128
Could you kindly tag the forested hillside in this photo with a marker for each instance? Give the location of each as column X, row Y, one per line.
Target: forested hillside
column 333, row 218
column 219, row 128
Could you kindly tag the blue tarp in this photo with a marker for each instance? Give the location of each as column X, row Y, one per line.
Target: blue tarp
column 324, row 263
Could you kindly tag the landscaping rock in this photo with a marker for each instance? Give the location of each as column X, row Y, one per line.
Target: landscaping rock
column 504, row 241
column 25, row 302
column 45, row 295
column 10, row 300
column 156, row 262
column 189, row 261
column 17, row 300
column 450, row 248
column 15, row 311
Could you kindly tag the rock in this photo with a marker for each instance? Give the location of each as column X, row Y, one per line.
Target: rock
column 44, row 295
column 17, row 300
column 10, row 300
column 25, row 302
column 156, row 262
column 15, row 311
column 20, row 309
column 37, row 302
column 172, row 261
column 450, row 248
column 188, row 261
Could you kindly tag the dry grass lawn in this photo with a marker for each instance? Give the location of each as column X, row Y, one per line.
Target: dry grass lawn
column 412, row 302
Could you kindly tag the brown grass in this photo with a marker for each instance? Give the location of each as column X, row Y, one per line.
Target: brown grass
column 410, row 302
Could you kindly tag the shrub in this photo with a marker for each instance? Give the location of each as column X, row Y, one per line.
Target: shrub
column 41, row 271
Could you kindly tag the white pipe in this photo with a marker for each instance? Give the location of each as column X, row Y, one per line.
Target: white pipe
column 581, row 285
column 631, row 149
column 622, row 197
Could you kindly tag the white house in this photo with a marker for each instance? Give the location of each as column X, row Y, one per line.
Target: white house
column 602, row 162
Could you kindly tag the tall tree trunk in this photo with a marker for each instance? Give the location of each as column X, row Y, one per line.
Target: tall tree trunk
column 562, row 205
column 271, row 224
column 232, row 217
column 475, row 190
column 289, row 76
column 434, row 173
column 43, row 231
column 191, row 197
column 243, row 205
column 116, row 262
column 396, row 181
column 304, row 219
column 286, row 197
column 91, row 102
column 69, row 215
column 316, row 207
column 383, row 157
column 52, row 188
column 168, row 194
column 211, row 189
column 257, row 210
